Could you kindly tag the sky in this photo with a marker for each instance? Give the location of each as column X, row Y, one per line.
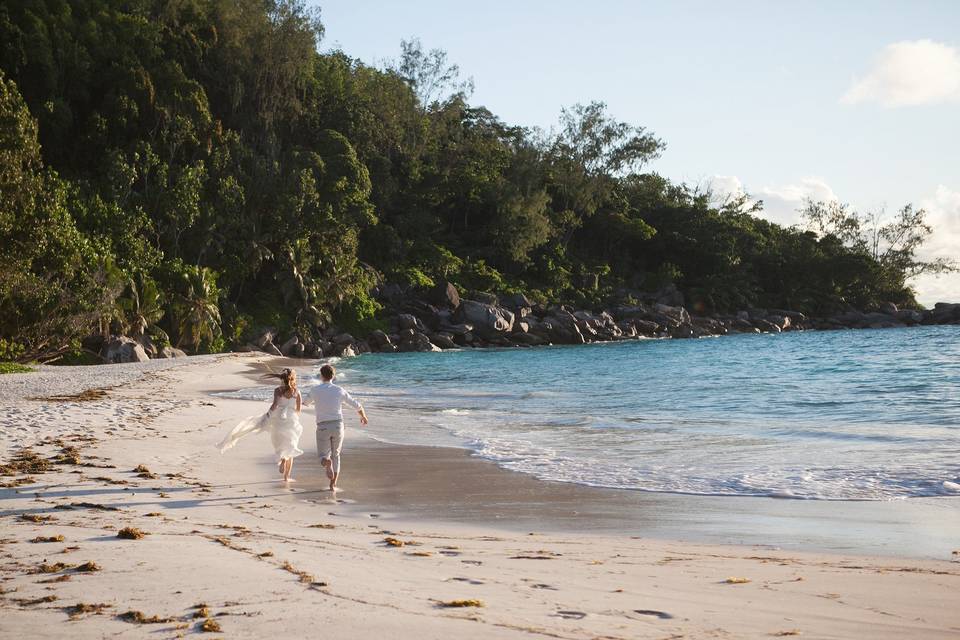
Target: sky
column 856, row 101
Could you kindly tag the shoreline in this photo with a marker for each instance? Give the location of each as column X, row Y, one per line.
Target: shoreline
column 223, row 532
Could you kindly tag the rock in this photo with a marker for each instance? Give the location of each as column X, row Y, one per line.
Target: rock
column 909, row 316
column 411, row 340
column 684, row 330
column 247, row 348
column 342, row 350
column 888, row 308
column 528, row 339
column 325, row 348
column 670, row 296
column 123, row 349
column 406, row 321
column 264, row 336
column 287, row 347
column 362, row 346
column 444, row 294
column 486, row 297
column 766, row 326
column 516, row 301
column 646, row 327
column 942, row 313
column 781, row 321
column 148, row 346
column 487, row 319
column 172, row 352
column 521, row 327
column 378, row 340
column 296, row 351
column 312, row 350
column 564, row 328
column 342, row 338
column 456, row 329
column 271, row 348
column 677, row 313
column 443, row 340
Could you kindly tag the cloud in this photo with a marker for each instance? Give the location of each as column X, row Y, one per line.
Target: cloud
column 910, row 73
column 781, row 203
column 943, row 214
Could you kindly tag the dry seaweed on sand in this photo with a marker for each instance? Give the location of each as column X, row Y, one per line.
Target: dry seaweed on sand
column 79, row 609
column 34, row 518
column 789, row 632
column 736, row 580
column 62, row 578
column 57, row 538
column 84, row 396
column 91, row 505
column 461, row 603
column 420, row 554
column 138, row 617
column 67, row 455
column 28, row 602
column 25, row 461
column 87, row 567
column 209, row 626
column 322, row 525
column 18, row 482
column 302, row 575
column 56, row 567
column 203, row 611
column 131, row 533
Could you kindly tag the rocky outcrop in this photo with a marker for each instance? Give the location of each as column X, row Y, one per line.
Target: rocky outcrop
column 119, row 349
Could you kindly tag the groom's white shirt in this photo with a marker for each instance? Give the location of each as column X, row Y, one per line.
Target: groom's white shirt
column 328, row 399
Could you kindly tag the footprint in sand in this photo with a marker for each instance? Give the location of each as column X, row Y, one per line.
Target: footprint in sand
column 543, row 586
column 446, row 552
column 476, row 562
column 571, row 615
column 663, row 615
column 468, row 580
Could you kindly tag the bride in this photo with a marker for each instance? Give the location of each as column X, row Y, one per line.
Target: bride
column 282, row 421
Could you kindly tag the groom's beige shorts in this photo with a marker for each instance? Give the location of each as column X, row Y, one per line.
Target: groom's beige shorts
column 330, row 441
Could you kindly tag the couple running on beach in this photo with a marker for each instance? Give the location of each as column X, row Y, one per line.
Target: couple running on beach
column 282, row 422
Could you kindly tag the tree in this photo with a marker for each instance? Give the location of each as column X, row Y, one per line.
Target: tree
column 196, row 309
column 433, row 79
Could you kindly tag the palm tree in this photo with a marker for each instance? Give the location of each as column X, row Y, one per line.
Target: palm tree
column 198, row 316
column 142, row 306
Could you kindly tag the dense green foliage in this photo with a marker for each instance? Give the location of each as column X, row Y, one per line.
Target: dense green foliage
column 189, row 169
column 13, row 367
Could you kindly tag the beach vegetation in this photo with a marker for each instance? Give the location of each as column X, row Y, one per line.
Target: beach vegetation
column 39, row 539
column 193, row 172
column 13, row 367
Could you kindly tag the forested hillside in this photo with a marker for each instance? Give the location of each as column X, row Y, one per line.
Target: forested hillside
column 191, row 170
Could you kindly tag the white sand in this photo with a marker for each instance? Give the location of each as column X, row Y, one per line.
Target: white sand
column 223, row 531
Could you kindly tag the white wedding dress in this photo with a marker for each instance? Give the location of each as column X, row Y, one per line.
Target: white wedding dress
column 282, row 423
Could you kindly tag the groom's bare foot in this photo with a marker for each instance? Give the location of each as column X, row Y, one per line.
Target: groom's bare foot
column 328, row 465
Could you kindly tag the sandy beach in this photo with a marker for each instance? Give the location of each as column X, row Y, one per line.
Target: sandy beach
column 420, row 543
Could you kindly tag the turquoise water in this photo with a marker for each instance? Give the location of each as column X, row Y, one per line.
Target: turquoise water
column 864, row 415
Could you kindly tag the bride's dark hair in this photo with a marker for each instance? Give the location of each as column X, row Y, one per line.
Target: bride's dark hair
column 289, row 379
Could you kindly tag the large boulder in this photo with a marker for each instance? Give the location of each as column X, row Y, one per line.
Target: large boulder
column 378, row 340
column 271, row 348
column 516, row 302
column 411, row 340
column 564, row 328
column 264, row 335
column 443, row 340
column 943, row 313
column 888, row 308
column 288, row 347
column 148, row 345
column 123, row 349
column 172, row 352
column 488, row 320
column 444, row 294
column 909, row 316
column 342, row 339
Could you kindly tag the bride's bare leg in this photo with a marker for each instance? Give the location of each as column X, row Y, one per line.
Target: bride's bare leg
column 287, row 468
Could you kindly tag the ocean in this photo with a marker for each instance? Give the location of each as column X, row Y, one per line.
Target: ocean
column 829, row 415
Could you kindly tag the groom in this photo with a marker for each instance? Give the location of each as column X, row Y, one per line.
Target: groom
column 328, row 398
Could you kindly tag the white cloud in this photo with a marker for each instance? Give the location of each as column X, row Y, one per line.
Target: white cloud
column 781, row 203
column 943, row 214
column 910, row 73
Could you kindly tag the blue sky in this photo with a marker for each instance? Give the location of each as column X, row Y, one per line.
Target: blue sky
column 853, row 100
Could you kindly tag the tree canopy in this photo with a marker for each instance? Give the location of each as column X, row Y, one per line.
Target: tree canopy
column 190, row 169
